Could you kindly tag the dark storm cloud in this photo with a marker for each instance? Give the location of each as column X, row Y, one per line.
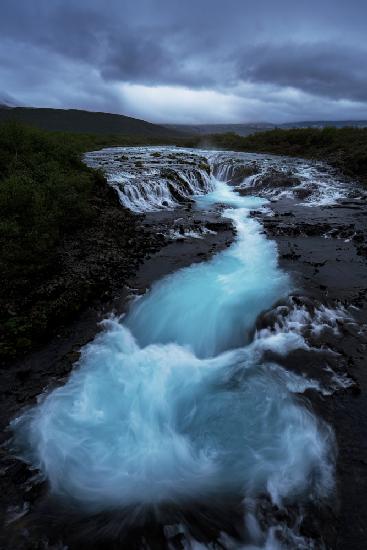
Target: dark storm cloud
column 249, row 53
column 323, row 69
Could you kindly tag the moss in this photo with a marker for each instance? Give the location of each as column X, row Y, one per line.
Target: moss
column 204, row 166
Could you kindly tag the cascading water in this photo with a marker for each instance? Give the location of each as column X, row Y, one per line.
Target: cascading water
column 143, row 186
column 176, row 402
column 212, row 306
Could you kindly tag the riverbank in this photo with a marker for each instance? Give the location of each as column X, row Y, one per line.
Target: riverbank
column 64, row 239
column 324, row 249
column 21, row 494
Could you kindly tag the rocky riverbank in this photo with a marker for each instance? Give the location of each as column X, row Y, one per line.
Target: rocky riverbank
column 105, row 266
column 322, row 244
column 324, row 248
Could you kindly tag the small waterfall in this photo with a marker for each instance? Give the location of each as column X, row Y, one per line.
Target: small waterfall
column 177, row 404
column 171, row 188
column 278, row 178
column 232, row 172
column 143, row 186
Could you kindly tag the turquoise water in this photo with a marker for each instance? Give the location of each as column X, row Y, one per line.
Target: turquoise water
column 175, row 402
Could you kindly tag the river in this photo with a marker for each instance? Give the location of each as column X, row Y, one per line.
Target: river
column 178, row 409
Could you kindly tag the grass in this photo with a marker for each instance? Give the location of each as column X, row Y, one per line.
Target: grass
column 47, row 197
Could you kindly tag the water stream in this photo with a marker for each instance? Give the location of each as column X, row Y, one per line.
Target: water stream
column 176, row 402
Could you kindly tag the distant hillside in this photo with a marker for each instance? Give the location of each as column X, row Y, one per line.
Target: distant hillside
column 325, row 124
column 204, row 129
column 252, row 128
column 87, row 122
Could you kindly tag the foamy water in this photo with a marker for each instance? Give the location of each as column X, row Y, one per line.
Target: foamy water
column 176, row 403
column 144, row 184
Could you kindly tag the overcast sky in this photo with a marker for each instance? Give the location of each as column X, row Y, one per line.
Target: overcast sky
column 190, row 61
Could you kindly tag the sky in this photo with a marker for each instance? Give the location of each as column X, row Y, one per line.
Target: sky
column 188, row 61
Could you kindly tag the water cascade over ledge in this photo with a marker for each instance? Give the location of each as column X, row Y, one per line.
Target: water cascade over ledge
column 176, row 402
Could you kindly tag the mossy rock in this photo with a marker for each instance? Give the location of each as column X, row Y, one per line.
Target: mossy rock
column 205, row 166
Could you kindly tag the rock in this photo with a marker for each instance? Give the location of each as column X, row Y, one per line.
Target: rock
column 275, row 179
column 236, row 173
column 219, row 226
column 303, row 192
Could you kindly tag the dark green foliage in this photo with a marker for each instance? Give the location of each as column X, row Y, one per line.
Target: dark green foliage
column 57, row 251
column 45, row 193
column 344, row 148
column 44, row 190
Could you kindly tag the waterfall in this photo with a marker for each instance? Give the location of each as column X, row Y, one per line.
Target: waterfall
column 177, row 402
column 144, row 187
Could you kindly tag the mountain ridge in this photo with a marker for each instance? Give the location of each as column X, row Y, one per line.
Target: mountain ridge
column 245, row 129
column 99, row 122
column 88, row 122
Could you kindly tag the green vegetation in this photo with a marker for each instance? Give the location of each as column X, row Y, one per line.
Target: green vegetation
column 44, row 190
column 44, row 193
column 48, row 197
column 343, row 148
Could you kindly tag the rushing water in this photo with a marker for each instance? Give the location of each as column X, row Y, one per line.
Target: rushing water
column 145, row 182
column 176, row 402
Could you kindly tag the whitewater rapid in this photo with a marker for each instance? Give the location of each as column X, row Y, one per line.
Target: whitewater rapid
column 176, row 402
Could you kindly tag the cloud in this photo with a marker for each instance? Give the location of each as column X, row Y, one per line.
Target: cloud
column 321, row 69
column 196, row 61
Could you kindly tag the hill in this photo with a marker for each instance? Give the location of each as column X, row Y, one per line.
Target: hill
column 87, row 122
column 204, row 129
column 247, row 129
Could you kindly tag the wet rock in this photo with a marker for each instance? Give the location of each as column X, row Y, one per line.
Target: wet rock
column 219, row 226
column 276, row 179
column 291, row 256
column 178, row 197
column 204, row 166
column 303, row 192
column 235, row 173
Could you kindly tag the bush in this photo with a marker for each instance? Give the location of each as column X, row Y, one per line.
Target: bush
column 49, row 202
column 44, row 192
